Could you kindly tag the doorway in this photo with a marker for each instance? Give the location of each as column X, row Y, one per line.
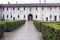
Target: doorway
column 55, row 18
column 30, row 17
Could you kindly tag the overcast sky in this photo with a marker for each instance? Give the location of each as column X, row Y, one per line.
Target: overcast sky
column 28, row 1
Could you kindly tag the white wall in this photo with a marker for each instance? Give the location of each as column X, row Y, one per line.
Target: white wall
column 41, row 14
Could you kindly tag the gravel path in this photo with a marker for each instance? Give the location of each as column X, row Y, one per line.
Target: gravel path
column 26, row 32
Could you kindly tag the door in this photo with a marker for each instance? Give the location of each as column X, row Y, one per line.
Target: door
column 30, row 17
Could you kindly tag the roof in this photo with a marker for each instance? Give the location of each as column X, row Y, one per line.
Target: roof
column 30, row 5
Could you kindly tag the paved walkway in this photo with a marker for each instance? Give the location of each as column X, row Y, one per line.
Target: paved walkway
column 26, row 32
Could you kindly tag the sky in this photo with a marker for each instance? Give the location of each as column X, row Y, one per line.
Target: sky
column 28, row 1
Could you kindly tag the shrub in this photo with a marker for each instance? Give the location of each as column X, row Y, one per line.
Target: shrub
column 50, row 30
column 10, row 25
column 2, row 28
column 37, row 25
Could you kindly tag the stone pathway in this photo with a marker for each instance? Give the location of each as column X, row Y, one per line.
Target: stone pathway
column 26, row 32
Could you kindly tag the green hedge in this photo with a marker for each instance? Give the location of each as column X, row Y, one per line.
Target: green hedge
column 50, row 30
column 2, row 28
column 10, row 25
column 37, row 23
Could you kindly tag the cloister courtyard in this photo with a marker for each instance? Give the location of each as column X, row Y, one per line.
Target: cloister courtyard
column 32, row 21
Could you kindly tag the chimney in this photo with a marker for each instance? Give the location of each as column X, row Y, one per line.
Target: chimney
column 40, row 1
column 8, row 2
column 44, row 1
column 16, row 2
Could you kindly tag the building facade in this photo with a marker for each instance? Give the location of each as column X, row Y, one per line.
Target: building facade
column 36, row 11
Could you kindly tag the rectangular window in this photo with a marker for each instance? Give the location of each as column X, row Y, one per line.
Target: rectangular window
column 7, row 8
column 18, row 8
column 46, row 18
column 7, row 16
column 11, row 16
column 50, row 8
column 24, row 16
column 59, row 8
column 30, row 9
column 3, row 8
column 42, row 8
column 13, row 9
column 55, row 18
column 18, row 16
column 14, row 12
column 50, row 16
column 36, row 16
column 24, row 8
column 55, row 7
column 3, row 16
column 59, row 16
column 36, row 8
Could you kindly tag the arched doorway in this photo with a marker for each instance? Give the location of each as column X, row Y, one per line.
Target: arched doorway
column 30, row 17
